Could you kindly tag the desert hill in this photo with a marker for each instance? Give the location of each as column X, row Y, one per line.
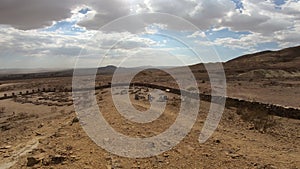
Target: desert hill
column 267, row 64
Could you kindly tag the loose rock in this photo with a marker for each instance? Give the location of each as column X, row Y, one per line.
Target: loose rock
column 31, row 161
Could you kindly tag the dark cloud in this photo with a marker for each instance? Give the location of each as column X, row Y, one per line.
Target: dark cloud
column 261, row 16
column 107, row 11
column 33, row 14
column 203, row 14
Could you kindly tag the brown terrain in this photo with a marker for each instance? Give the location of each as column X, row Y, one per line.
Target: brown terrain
column 39, row 129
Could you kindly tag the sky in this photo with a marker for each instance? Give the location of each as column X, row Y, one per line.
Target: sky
column 130, row 33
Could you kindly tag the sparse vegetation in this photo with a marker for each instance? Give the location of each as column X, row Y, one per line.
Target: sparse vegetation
column 62, row 111
column 2, row 110
column 260, row 119
column 191, row 89
column 53, row 110
column 237, row 142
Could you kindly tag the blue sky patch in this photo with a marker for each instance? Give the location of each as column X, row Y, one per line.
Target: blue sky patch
column 238, row 4
column 66, row 27
column 224, row 33
column 279, row 2
column 84, row 10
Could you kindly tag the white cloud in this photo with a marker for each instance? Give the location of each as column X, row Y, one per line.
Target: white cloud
column 259, row 17
column 77, row 16
column 245, row 42
column 265, row 23
column 33, row 45
column 197, row 34
column 21, row 23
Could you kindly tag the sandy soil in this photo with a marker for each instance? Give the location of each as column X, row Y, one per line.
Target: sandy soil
column 44, row 135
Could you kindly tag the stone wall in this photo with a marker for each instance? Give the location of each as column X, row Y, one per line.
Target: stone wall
column 271, row 109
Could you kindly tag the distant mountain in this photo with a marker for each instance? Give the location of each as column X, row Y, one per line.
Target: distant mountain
column 27, row 71
column 15, row 74
column 18, row 74
column 266, row 64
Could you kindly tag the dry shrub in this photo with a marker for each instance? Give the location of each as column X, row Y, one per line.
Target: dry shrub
column 175, row 103
column 53, row 110
column 260, row 119
column 2, row 110
column 62, row 111
column 22, row 116
column 191, row 89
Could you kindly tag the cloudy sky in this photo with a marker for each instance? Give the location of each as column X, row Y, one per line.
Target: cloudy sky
column 55, row 33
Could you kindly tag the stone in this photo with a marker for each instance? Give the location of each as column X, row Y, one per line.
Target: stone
column 160, row 159
column 57, row 159
column 166, row 155
column 75, row 158
column 6, row 147
column 75, row 120
column 31, row 161
column 206, row 154
column 6, row 156
column 217, row 141
column 37, row 134
column 234, row 156
column 41, row 125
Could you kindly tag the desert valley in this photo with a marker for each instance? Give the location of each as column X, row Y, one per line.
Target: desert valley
column 259, row 127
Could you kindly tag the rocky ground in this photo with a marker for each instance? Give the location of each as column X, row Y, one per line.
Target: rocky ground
column 42, row 131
